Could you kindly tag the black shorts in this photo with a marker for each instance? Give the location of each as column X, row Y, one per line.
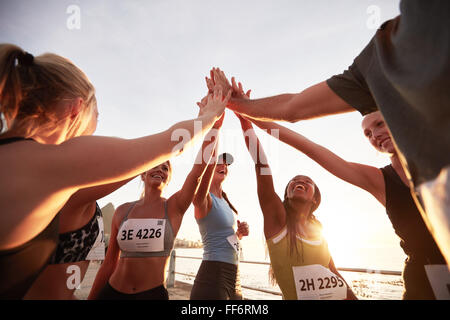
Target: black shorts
column 417, row 285
column 109, row 293
column 217, row 280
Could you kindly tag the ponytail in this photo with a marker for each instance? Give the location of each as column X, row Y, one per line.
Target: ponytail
column 31, row 87
column 10, row 81
column 224, row 195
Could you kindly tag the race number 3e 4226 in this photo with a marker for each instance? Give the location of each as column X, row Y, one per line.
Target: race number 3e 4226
column 142, row 235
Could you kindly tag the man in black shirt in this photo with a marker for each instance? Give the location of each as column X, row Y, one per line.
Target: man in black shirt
column 404, row 72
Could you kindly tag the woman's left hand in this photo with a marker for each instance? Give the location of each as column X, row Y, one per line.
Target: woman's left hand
column 242, row 230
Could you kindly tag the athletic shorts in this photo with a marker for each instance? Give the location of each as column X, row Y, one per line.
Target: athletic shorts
column 157, row 293
column 217, row 280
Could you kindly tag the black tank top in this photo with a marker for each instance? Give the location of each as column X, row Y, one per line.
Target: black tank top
column 20, row 266
column 416, row 241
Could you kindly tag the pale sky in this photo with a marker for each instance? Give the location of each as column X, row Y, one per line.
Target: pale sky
column 148, row 60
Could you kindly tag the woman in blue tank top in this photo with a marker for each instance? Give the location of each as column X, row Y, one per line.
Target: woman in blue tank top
column 218, row 275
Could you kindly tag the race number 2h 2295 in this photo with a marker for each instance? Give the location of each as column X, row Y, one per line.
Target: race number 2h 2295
column 315, row 282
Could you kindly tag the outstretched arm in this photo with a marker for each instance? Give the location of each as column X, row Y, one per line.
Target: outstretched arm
column 316, row 101
column 112, row 255
column 184, row 197
column 270, row 203
column 89, row 195
column 366, row 177
column 202, row 199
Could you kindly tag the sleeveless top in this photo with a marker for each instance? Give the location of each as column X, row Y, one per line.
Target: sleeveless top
column 416, row 241
column 219, row 239
column 86, row 243
column 310, row 254
column 149, row 237
column 415, row 238
column 20, row 266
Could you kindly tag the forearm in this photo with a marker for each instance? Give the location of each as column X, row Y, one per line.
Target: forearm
column 205, row 153
column 101, row 160
column 357, row 174
column 316, row 101
column 185, row 196
column 83, row 196
column 101, row 279
column 266, row 109
column 203, row 189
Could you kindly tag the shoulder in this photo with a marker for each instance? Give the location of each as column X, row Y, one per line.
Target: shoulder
column 387, row 171
column 121, row 211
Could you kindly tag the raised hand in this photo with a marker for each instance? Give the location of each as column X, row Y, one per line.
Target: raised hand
column 238, row 90
column 214, row 102
column 218, row 78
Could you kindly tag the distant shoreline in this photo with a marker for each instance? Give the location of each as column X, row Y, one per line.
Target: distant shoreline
column 187, row 244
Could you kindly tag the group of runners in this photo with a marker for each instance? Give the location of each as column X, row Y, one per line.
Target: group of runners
column 54, row 170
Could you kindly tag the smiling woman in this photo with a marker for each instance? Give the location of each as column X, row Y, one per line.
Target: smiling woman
column 389, row 186
column 376, row 131
column 299, row 254
column 143, row 233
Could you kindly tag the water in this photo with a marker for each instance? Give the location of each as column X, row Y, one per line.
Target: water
column 365, row 286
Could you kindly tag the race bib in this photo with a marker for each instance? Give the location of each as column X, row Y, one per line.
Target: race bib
column 439, row 278
column 234, row 242
column 142, row 235
column 315, row 282
column 98, row 249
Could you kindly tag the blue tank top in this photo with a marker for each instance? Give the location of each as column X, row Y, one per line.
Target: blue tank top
column 214, row 229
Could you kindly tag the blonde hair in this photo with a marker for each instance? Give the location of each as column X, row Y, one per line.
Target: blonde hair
column 31, row 87
column 170, row 176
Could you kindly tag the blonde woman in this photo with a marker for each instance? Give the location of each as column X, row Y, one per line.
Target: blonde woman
column 143, row 234
column 49, row 105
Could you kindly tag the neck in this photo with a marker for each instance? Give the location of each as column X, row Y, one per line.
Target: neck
column 58, row 134
column 216, row 189
column 49, row 139
column 397, row 165
column 152, row 194
column 302, row 210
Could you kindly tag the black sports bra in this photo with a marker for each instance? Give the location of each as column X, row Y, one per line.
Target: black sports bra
column 20, row 266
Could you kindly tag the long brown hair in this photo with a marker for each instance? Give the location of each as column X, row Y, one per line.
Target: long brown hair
column 291, row 224
column 291, row 216
column 31, row 87
column 224, row 195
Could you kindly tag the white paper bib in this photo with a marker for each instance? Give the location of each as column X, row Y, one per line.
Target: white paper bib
column 142, row 235
column 234, row 242
column 315, row 282
column 439, row 278
column 98, row 249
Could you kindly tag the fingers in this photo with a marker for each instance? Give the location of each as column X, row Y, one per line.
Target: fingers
column 209, row 84
column 228, row 96
column 233, row 84
column 218, row 92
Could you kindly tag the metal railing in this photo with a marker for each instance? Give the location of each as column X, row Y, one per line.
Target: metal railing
column 172, row 272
